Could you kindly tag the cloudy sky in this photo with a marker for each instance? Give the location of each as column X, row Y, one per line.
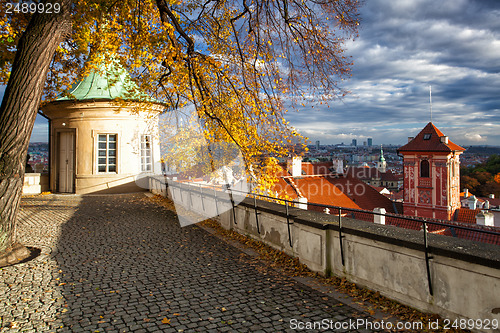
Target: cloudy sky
column 404, row 47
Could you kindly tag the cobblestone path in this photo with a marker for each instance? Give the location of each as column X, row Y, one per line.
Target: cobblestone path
column 120, row 263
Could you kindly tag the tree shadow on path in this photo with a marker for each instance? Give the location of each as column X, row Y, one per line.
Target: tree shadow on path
column 126, row 265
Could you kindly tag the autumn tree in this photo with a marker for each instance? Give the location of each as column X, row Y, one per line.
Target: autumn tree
column 29, row 61
column 483, row 179
column 234, row 61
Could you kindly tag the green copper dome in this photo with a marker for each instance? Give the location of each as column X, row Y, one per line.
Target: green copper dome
column 109, row 84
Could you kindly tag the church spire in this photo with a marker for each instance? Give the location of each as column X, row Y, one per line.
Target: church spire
column 381, row 164
column 381, row 158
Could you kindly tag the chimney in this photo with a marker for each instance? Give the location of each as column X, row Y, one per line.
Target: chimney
column 466, row 192
column 472, row 202
column 410, row 138
column 486, row 204
column 485, row 218
column 302, row 203
column 297, row 166
column 338, row 165
column 444, row 139
column 379, row 219
column 491, row 196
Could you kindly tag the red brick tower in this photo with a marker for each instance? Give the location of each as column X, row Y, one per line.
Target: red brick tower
column 431, row 174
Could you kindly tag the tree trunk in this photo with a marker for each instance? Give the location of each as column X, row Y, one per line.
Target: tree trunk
column 19, row 108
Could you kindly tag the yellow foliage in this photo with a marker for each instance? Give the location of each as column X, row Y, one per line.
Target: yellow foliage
column 235, row 63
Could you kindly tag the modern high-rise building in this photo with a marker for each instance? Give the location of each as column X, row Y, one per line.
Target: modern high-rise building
column 354, row 142
column 317, row 145
column 370, row 142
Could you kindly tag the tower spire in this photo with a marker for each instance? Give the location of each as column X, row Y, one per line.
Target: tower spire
column 381, row 164
column 430, row 100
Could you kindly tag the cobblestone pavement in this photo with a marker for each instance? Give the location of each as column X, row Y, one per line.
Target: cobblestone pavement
column 120, row 263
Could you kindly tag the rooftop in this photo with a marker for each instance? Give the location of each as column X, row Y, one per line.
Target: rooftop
column 429, row 139
column 109, row 82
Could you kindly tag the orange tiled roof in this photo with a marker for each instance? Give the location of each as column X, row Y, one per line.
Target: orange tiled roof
column 318, row 189
column 282, row 187
column 330, row 190
column 432, row 144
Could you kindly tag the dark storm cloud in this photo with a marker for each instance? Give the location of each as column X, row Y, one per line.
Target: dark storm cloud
column 404, row 47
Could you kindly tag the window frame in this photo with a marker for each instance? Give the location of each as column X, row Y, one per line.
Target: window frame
column 427, row 168
column 145, row 140
column 107, row 156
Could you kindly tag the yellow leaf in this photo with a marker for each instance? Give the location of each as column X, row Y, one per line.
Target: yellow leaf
column 165, row 320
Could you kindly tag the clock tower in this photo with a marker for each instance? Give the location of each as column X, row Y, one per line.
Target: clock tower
column 431, row 175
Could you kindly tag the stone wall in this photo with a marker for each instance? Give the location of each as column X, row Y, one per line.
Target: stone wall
column 464, row 275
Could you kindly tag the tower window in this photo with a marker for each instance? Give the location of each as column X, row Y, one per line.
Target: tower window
column 427, row 136
column 424, row 169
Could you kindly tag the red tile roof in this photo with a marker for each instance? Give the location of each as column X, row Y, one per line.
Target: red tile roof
column 282, row 187
column 363, row 194
column 449, row 229
column 317, row 168
column 466, row 215
column 378, row 188
column 473, row 235
column 477, row 236
column 320, row 190
column 433, row 144
column 348, row 192
column 494, row 202
column 390, row 176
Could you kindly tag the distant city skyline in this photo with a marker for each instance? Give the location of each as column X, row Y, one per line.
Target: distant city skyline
column 403, row 48
column 40, row 134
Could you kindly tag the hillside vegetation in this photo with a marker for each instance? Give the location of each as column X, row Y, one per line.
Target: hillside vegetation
column 483, row 179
